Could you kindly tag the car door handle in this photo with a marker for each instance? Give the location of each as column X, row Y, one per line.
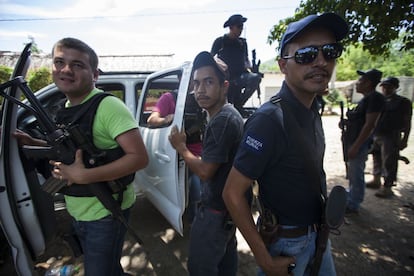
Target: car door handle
column 163, row 157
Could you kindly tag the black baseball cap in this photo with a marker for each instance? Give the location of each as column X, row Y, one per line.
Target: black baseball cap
column 373, row 75
column 235, row 19
column 330, row 21
column 206, row 59
column 391, row 81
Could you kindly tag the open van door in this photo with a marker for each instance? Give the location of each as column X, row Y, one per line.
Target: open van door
column 163, row 181
column 26, row 212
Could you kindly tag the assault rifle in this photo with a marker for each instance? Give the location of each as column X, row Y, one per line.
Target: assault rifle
column 342, row 125
column 63, row 143
column 255, row 69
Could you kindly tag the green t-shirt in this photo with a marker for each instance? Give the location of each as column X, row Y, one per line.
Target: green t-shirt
column 112, row 119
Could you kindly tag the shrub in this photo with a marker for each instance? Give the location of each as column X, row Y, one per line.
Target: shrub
column 5, row 73
column 40, row 78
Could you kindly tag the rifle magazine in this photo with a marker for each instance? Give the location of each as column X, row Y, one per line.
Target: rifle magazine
column 53, row 185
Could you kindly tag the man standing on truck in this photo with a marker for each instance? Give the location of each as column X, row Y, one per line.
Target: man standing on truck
column 232, row 49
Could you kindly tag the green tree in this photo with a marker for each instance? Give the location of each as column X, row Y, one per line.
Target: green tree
column 354, row 58
column 269, row 66
column 39, row 78
column 5, row 73
column 34, row 48
column 375, row 23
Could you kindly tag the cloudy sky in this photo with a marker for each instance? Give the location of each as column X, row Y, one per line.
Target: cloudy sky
column 180, row 27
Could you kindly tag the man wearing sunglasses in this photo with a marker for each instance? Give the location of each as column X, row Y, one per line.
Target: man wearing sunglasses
column 232, row 49
column 271, row 154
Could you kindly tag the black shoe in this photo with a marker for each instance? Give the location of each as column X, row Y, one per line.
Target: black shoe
column 385, row 192
column 373, row 185
column 349, row 211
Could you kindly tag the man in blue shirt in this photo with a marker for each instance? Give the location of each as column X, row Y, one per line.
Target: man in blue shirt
column 269, row 154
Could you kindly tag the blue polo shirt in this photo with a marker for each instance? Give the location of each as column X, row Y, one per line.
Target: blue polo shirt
column 268, row 155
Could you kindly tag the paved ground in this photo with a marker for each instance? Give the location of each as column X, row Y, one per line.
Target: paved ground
column 380, row 241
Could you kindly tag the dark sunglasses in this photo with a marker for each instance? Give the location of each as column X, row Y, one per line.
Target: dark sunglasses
column 308, row 54
column 240, row 26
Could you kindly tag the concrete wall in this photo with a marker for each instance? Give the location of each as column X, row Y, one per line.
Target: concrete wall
column 406, row 89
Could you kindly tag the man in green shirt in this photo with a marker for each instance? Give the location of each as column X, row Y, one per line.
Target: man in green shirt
column 75, row 71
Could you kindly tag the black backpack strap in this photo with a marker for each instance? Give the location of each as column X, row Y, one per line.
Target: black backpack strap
column 91, row 103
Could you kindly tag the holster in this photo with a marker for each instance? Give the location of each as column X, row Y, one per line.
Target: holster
column 228, row 223
column 267, row 227
column 321, row 243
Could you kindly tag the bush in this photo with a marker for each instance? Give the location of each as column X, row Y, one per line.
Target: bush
column 40, row 78
column 5, row 73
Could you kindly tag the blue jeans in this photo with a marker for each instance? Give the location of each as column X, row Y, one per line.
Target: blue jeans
column 356, row 168
column 194, row 195
column 213, row 247
column 303, row 249
column 385, row 156
column 102, row 242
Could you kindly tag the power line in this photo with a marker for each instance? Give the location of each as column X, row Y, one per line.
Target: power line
column 137, row 15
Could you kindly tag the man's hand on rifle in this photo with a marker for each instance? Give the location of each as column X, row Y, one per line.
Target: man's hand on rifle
column 342, row 123
column 73, row 173
column 403, row 145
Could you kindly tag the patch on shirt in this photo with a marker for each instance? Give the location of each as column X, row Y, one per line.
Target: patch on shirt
column 253, row 143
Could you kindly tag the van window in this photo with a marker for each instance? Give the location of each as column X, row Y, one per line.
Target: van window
column 116, row 89
column 157, row 88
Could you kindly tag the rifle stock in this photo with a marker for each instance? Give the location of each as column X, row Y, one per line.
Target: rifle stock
column 255, row 69
column 321, row 243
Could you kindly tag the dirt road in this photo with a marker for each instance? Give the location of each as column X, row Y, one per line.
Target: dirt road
column 380, row 240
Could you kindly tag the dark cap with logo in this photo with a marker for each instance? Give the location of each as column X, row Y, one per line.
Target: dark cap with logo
column 391, row 81
column 330, row 21
column 373, row 75
column 206, row 59
column 235, row 19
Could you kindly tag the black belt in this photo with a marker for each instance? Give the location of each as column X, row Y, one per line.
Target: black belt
column 296, row 232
